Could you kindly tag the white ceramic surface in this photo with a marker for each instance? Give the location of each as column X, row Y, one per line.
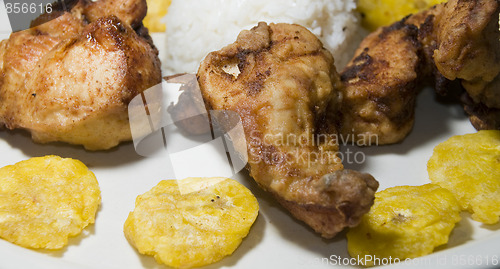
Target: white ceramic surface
column 276, row 240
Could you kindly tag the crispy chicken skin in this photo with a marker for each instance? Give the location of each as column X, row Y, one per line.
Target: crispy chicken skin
column 427, row 23
column 130, row 12
column 381, row 86
column 71, row 78
column 287, row 92
column 445, row 46
column 468, row 45
column 469, row 50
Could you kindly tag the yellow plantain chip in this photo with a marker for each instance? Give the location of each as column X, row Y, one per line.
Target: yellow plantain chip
column 45, row 200
column 378, row 13
column 157, row 9
column 196, row 228
column 469, row 166
column 404, row 222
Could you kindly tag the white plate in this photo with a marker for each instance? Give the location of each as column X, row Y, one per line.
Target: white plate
column 276, row 240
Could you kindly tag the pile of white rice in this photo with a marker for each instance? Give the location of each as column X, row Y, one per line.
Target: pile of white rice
column 197, row 27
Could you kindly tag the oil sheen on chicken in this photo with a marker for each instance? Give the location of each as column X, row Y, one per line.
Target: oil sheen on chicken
column 454, row 47
column 71, row 79
column 469, row 50
column 283, row 84
column 381, row 86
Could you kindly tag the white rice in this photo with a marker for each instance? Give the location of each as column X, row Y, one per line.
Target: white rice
column 197, row 27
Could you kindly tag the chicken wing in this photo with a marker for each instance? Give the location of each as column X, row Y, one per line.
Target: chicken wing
column 70, row 79
column 285, row 88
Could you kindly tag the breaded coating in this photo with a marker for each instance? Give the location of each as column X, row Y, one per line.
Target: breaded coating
column 454, row 47
column 286, row 90
column 381, row 86
column 71, row 78
column 469, row 50
column 468, row 47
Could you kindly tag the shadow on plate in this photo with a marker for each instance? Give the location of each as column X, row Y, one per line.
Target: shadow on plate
column 72, row 242
column 491, row 227
column 461, row 234
column 433, row 118
column 122, row 154
column 295, row 231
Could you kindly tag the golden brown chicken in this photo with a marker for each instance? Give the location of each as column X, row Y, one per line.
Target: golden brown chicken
column 468, row 42
column 71, row 79
column 283, row 84
column 381, row 86
column 458, row 41
column 469, row 50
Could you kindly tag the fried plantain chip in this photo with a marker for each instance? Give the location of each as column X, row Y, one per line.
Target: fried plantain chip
column 469, row 166
column 157, row 9
column 405, row 222
column 45, row 200
column 196, row 228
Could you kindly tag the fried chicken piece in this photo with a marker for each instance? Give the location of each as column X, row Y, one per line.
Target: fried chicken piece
column 130, row 12
column 427, row 23
column 481, row 116
column 381, row 86
column 71, row 78
column 469, row 50
column 448, row 44
column 286, row 91
column 468, row 45
column 461, row 46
